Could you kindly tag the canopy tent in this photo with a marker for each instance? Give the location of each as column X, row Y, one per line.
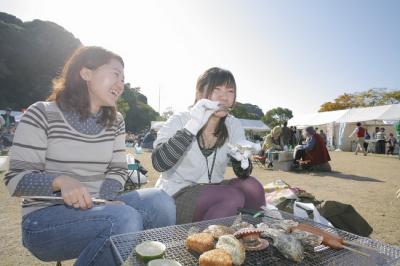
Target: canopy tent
column 392, row 113
column 339, row 124
column 366, row 114
column 253, row 125
column 384, row 112
column 316, row 119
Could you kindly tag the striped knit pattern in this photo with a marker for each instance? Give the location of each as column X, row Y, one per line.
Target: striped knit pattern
column 44, row 142
column 167, row 154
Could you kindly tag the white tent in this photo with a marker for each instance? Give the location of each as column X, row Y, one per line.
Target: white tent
column 254, row 125
column 316, row 119
column 340, row 124
column 365, row 114
column 392, row 113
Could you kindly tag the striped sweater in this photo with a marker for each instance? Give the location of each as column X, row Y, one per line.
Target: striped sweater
column 47, row 145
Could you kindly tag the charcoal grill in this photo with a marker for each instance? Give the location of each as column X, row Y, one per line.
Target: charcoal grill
column 174, row 239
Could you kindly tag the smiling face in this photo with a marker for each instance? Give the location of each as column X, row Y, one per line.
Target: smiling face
column 225, row 95
column 217, row 84
column 105, row 84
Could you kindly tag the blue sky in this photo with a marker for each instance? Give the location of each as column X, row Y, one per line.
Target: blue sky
column 294, row 54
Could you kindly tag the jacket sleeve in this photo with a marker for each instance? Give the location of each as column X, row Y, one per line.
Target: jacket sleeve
column 171, row 143
column 26, row 176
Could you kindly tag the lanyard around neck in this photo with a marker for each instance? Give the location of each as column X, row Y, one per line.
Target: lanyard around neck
column 209, row 171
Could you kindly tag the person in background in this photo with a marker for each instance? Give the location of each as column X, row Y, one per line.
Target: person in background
column 323, row 136
column 8, row 118
column 299, row 137
column 193, row 149
column 149, row 139
column 2, row 122
column 397, row 128
column 73, row 146
column 272, row 143
column 314, row 150
column 293, row 136
column 392, row 143
column 367, row 138
column 381, row 141
column 285, row 135
column 377, row 129
column 359, row 131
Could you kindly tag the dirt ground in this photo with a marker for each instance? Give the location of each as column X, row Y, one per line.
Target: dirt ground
column 368, row 183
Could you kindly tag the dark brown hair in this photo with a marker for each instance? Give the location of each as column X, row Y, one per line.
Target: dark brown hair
column 205, row 86
column 70, row 91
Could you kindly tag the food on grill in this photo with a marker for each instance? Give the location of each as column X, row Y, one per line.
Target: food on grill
column 233, row 246
column 288, row 245
column 163, row 262
column 200, row 242
column 307, row 239
column 250, row 238
column 328, row 239
column 219, row 230
column 150, row 250
column 284, row 225
column 215, row 257
column 238, row 223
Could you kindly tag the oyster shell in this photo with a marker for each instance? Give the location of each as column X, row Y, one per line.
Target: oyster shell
column 219, row 230
column 233, row 246
column 288, row 245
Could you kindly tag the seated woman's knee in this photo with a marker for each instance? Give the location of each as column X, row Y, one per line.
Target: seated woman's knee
column 125, row 219
column 163, row 207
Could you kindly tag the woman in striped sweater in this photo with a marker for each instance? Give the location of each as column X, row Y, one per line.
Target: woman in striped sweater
column 192, row 151
column 74, row 146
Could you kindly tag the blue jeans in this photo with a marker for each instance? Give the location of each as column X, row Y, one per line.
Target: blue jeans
column 60, row 232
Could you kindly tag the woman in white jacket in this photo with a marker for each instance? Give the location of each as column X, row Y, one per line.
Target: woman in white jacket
column 193, row 149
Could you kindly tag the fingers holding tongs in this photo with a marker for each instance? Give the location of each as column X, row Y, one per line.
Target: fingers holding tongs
column 59, row 199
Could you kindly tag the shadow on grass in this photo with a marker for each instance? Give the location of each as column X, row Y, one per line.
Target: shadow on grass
column 346, row 176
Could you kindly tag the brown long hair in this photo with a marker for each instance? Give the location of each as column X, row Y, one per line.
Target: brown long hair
column 70, row 91
column 205, row 86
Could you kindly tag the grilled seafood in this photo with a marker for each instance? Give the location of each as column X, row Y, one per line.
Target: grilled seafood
column 250, row 238
column 219, row 230
column 288, row 245
column 233, row 246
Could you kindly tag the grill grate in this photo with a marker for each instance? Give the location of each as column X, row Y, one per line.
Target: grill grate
column 174, row 239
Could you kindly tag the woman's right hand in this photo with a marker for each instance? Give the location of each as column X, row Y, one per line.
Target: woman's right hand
column 73, row 192
column 199, row 115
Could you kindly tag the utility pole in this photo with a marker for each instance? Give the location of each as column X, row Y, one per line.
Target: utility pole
column 159, row 100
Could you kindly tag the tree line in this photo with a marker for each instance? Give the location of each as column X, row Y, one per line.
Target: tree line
column 33, row 53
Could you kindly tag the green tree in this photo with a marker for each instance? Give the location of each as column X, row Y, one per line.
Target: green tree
column 247, row 111
column 140, row 114
column 122, row 106
column 31, row 55
column 371, row 97
column 277, row 116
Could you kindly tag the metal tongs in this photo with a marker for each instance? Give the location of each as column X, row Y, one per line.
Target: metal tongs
column 59, row 199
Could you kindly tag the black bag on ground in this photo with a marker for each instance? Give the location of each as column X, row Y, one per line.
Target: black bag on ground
column 345, row 217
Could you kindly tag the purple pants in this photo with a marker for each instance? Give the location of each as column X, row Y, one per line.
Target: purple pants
column 217, row 201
